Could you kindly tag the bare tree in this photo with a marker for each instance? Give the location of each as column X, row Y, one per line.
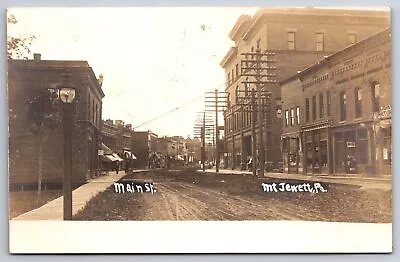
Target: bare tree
column 18, row 47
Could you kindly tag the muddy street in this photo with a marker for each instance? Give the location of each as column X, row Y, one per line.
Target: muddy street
column 190, row 195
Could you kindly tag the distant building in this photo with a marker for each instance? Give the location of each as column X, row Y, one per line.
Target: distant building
column 337, row 112
column 31, row 150
column 117, row 136
column 193, row 150
column 298, row 37
column 143, row 143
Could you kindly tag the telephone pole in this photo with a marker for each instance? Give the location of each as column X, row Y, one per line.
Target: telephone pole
column 218, row 101
column 259, row 67
column 203, row 127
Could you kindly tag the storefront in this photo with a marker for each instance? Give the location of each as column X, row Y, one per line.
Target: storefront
column 383, row 134
column 292, row 154
column 354, row 147
column 317, row 153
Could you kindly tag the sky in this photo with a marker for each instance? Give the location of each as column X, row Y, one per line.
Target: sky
column 154, row 59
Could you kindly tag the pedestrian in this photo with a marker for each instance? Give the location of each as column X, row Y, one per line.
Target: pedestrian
column 116, row 163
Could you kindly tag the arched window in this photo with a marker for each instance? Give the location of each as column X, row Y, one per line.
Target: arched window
column 375, row 96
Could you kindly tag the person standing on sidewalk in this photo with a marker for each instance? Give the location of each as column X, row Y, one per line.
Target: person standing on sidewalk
column 116, row 166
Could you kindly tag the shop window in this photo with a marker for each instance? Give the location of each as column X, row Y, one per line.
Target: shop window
column 324, row 153
column 291, row 38
column 314, row 107
column 357, row 98
column 375, row 96
column 328, row 103
column 387, row 146
column 320, row 41
column 307, row 109
column 298, row 115
column 321, row 105
column 340, row 156
column 342, row 106
column 362, row 146
column 292, row 116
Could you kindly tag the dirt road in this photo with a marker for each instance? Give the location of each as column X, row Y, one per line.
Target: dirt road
column 188, row 195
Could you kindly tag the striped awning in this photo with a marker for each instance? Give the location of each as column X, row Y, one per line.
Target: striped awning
column 117, row 157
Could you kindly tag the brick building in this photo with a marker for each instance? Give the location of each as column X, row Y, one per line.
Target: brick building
column 298, row 37
column 34, row 153
column 143, row 144
column 341, row 108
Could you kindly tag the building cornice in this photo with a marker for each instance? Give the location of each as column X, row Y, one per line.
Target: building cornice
column 231, row 54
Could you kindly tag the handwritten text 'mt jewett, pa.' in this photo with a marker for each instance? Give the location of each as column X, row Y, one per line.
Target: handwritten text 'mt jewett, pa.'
column 287, row 187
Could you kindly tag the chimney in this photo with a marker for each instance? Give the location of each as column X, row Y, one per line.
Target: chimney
column 37, row 56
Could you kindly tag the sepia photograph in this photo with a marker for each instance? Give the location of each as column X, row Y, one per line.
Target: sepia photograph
column 189, row 115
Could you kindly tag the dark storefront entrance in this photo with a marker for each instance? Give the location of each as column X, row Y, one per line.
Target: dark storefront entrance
column 351, row 150
column 316, row 151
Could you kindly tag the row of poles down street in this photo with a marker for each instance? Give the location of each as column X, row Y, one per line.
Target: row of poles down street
column 259, row 66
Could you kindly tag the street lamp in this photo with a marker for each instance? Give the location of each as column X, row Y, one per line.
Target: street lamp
column 66, row 92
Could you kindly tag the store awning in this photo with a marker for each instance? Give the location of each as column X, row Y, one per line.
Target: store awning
column 179, row 157
column 108, row 158
column 106, row 149
column 117, row 157
column 129, row 154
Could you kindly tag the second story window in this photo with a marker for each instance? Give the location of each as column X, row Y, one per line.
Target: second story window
column 342, row 105
column 307, row 109
column 292, row 116
column 314, row 107
column 229, row 78
column 286, row 117
column 321, row 105
column 375, row 96
column 320, row 41
column 237, row 94
column 291, row 38
column 328, row 103
column 298, row 115
column 357, row 100
column 237, row 71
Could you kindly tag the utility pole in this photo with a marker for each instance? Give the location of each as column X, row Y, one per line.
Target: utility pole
column 259, row 68
column 203, row 127
column 218, row 103
column 216, row 133
column 253, row 131
column 203, row 142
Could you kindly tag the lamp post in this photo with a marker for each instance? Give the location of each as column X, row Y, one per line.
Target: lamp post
column 67, row 94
